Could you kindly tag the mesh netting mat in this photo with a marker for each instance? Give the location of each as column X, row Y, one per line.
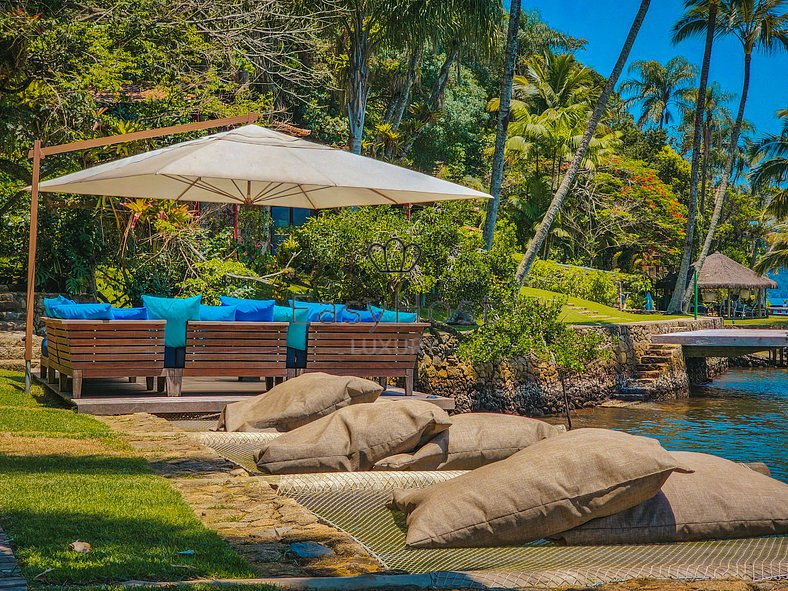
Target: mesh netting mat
column 356, row 503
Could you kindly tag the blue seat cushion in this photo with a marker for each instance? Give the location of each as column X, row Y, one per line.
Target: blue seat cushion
column 58, row 301
column 318, row 312
column 45, row 348
column 296, row 358
column 83, row 312
column 393, row 315
column 174, row 357
column 218, row 313
column 250, row 310
column 352, row 316
column 296, row 331
column 177, row 312
column 129, row 313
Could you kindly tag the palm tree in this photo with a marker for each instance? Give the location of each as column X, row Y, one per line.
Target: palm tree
column 658, row 88
column 771, row 155
column 367, row 23
column 698, row 13
column 758, row 24
column 503, row 123
column 599, row 110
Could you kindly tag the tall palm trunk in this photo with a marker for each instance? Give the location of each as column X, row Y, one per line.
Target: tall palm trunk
column 577, row 161
column 358, row 83
column 719, row 196
column 438, row 93
column 410, row 78
column 675, row 305
column 704, row 174
column 496, row 179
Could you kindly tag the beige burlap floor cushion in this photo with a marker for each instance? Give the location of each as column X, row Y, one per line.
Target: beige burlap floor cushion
column 473, row 440
column 721, row 499
column 297, row 401
column 554, row 485
column 353, row 438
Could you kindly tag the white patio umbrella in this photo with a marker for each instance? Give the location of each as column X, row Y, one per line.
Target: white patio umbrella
column 252, row 165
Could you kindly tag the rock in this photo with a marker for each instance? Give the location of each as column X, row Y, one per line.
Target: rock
column 309, row 550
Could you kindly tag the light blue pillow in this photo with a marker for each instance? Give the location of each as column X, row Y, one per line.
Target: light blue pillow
column 83, row 312
column 393, row 315
column 250, row 310
column 296, row 331
column 318, row 312
column 129, row 313
column 218, row 313
column 60, row 300
column 177, row 312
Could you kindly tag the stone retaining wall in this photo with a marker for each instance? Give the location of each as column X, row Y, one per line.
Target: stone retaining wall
column 530, row 386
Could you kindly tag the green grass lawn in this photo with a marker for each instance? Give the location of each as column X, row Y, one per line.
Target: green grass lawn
column 771, row 322
column 579, row 311
column 67, row 477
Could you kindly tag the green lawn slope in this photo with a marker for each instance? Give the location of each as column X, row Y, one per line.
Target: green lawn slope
column 579, row 311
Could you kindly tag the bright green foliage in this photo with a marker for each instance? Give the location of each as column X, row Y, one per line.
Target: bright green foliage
column 213, row 278
column 67, row 477
column 332, row 261
column 528, row 326
column 590, row 284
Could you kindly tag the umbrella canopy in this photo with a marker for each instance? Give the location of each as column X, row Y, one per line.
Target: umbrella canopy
column 721, row 272
column 252, row 165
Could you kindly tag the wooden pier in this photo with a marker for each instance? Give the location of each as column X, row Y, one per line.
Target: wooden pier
column 725, row 342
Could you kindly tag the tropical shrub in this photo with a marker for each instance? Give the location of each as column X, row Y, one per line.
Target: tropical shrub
column 588, row 284
column 532, row 326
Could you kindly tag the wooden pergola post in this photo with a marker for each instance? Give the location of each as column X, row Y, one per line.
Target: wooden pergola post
column 38, row 153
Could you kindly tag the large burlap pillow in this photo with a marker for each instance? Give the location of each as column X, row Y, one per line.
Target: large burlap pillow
column 473, row 440
column 353, row 438
column 297, row 401
column 720, row 500
column 554, row 485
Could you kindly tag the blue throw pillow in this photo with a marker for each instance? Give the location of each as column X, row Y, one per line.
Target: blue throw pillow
column 296, row 331
column 250, row 310
column 393, row 315
column 129, row 313
column 352, row 316
column 177, row 312
column 49, row 303
column 83, row 312
column 218, row 313
column 318, row 312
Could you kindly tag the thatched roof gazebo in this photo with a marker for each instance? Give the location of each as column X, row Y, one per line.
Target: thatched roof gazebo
column 721, row 272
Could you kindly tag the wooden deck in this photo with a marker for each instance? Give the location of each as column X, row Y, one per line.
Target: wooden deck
column 11, row 578
column 200, row 395
column 725, row 342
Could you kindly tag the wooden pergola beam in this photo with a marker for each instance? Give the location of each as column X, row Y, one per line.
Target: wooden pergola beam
column 38, row 153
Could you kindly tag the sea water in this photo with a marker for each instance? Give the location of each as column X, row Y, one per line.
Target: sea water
column 742, row 415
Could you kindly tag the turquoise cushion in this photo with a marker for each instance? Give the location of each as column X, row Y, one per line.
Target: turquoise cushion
column 352, row 316
column 218, row 313
column 250, row 310
column 393, row 316
column 129, row 313
column 296, row 332
column 177, row 312
column 318, row 312
column 58, row 301
column 83, row 312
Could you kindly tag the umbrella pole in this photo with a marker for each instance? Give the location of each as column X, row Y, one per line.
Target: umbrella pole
column 31, row 266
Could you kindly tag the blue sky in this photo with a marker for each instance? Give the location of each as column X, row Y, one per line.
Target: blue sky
column 605, row 24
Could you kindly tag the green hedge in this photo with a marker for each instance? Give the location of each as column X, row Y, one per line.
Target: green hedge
column 589, row 284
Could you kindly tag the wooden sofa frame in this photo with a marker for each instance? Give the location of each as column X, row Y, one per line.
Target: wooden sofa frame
column 79, row 349
column 380, row 350
column 236, row 349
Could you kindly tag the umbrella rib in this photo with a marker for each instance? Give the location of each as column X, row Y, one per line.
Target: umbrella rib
column 188, row 187
column 307, row 197
column 387, row 198
column 289, row 192
column 240, row 192
column 202, row 184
